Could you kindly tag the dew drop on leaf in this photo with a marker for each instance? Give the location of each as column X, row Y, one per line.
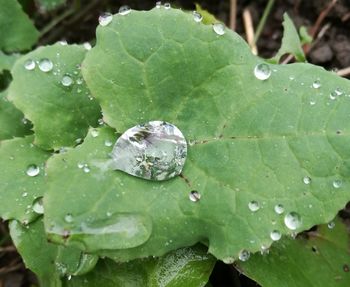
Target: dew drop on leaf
column 94, row 133
column 45, row 65
column 86, row 168
column 68, row 218
column 244, row 255
column 337, row 183
column 158, row 4
column 306, row 179
column 29, row 65
column 80, row 165
column 316, row 84
column 67, row 80
column 219, row 28
column 292, row 220
column 38, row 206
column 279, row 208
column 275, row 235
column 331, row 225
column 105, row 19
column 197, row 17
column 253, row 206
column 108, row 143
column 87, row 46
column 194, row 196
column 124, row 10
column 262, row 71
column 167, row 5
column 156, row 150
column 33, row 170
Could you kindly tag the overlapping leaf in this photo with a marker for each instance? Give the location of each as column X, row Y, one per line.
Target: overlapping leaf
column 283, row 141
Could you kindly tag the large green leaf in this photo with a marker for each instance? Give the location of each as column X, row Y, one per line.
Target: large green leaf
column 49, row 261
column 320, row 259
column 22, row 178
column 16, row 29
column 188, row 267
column 61, row 114
column 279, row 141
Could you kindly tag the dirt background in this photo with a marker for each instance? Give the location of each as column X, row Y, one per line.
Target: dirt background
column 329, row 19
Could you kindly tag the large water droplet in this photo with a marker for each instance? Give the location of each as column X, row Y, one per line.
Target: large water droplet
column 124, row 10
column 33, row 170
column 38, row 206
column 306, row 180
column 253, row 206
column 244, row 255
column 197, row 17
column 219, row 28
column 194, row 196
column 45, row 65
column 275, row 235
column 337, row 183
column 105, row 19
column 279, row 208
column 155, row 150
column 67, row 80
column 262, row 71
column 167, row 5
column 316, row 84
column 292, row 220
column 29, row 65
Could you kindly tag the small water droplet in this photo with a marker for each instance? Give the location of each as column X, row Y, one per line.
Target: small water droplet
column 63, row 42
column 33, row 170
column 292, row 220
column 29, row 65
column 316, row 84
column 67, row 80
column 337, row 183
column 38, row 206
column 253, row 206
column 45, row 65
column 79, row 81
column 264, row 250
column 275, row 235
column 124, row 10
column 167, row 5
column 279, row 208
column 87, row 46
column 108, row 143
column 306, row 179
column 24, row 194
column 158, row 4
column 228, row 260
column 312, row 102
column 94, row 133
column 331, row 225
column 80, row 165
column 291, row 78
column 262, row 71
column 105, row 19
column 86, row 168
column 197, row 17
column 244, row 255
column 219, row 28
column 194, row 196
column 68, row 218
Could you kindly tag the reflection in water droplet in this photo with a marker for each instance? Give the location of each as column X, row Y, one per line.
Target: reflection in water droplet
column 124, row 10
column 105, row 19
column 331, row 225
column 262, row 71
column 219, row 28
column 253, row 206
column 29, row 65
column 167, row 5
column 155, row 150
column 38, row 206
column 68, row 218
column 67, row 80
column 45, row 65
column 33, row 170
column 197, row 17
column 244, row 255
column 279, row 208
column 275, row 235
column 292, row 220
column 337, row 183
column 316, row 84
column 194, row 196
column 306, row 180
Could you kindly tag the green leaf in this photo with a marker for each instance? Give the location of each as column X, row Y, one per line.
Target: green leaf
column 189, row 267
column 18, row 190
column 12, row 121
column 305, row 37
column 291, row 43
column 250, row 140
column 319, row 259
column 7, row 61
column 208, row 18
column 48, row 261
column 48, row 5
column 60, row 114
column 16, row 29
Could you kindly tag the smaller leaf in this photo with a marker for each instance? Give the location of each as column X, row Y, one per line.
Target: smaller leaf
column 291, row 43
column 305, row 37
column 208, row 18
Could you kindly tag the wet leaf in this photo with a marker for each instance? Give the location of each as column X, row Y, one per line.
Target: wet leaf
column 16, row 29
column 321, row 259
column 47, row 86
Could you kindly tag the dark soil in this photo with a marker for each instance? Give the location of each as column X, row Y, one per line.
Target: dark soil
column 330, row 49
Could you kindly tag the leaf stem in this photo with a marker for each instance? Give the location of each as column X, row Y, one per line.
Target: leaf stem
column 263, row 19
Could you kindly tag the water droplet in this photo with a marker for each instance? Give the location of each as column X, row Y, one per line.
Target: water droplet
column 79, row 81
column 264, row 249
column 38, row 206
column 244, row 255
column 68, row 218
column 156, row 150
column 124, row 10
column 94, row 133
column 262, row 71
column 24, row 194
column 197, row 17
column 67, row 80
column 29, row 65
column 45, row 65
column 292, row 220
column 331, row 225
column 279, row 208
column 312, row 102
column 167, row 5
column 306, row 180
column 253, row 206
column 87, row 46
column 33, row 170
column 219, row 28
column 63, row 42
column 86, row 168
column 108, row 143
column 105, row 19
column 337, row 183
column 80, row 165
column 316, row 84
column 158, row 4
column 275, row 235
column 194, row 196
